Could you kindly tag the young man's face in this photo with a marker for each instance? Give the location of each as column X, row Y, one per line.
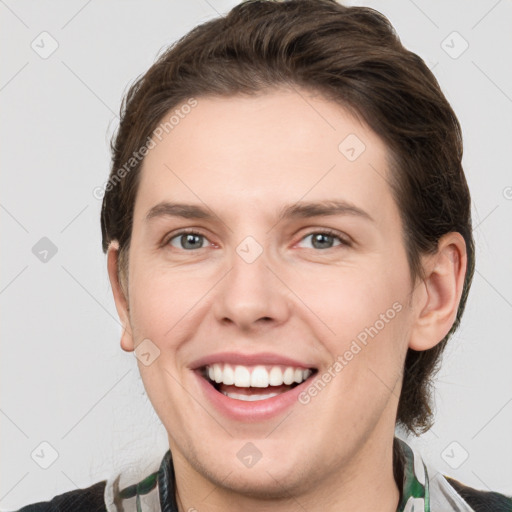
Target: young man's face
column 253, row 288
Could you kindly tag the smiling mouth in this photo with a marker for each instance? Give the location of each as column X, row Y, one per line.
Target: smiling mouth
column 254, row 383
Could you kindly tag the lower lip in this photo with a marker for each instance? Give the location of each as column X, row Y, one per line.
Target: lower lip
column 258, row 410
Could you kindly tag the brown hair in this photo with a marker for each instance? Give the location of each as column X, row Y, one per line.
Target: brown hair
column 352, row 56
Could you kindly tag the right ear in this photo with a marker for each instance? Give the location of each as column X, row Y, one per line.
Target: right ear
column 119, row 296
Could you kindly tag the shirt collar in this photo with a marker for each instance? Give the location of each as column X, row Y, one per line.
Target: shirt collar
column 419, row 493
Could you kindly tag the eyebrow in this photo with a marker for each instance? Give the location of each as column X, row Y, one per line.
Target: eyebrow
column 300, row 210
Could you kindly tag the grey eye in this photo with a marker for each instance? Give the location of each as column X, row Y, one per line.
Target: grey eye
column 321, row 240
column 188, row 241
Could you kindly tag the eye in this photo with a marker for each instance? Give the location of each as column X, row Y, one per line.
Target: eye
column 325, row 239
column 191, row 240
column 188, row 240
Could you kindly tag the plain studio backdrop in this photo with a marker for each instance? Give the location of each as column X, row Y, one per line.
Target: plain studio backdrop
column 68, row 390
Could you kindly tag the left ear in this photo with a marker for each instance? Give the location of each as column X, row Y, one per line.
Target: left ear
column 437, row 297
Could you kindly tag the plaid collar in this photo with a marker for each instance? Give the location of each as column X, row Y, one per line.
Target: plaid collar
column 423, row 490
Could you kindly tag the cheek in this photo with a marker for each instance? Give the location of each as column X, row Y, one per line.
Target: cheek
column 348, row 300
column 365, row 325
column 368, row 353
column 156, row 302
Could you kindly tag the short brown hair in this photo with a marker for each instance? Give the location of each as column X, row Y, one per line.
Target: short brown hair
column 352, row 56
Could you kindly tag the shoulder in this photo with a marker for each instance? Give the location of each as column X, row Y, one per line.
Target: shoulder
column 482, row 501
column 90, row 499
column 428, row 489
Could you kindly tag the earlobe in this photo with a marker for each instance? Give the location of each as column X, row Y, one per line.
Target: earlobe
column 120, row 298
column 439, row 294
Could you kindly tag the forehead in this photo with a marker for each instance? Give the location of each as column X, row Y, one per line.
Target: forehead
column 256, row 153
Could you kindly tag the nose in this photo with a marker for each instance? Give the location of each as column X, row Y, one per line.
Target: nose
column 251, row 295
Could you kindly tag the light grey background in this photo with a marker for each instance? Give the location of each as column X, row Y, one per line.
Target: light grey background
column 65, row 379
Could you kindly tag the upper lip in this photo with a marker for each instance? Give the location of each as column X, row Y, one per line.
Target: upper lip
column 262, row 358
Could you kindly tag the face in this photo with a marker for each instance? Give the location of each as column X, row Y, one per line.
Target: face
column 283, row 278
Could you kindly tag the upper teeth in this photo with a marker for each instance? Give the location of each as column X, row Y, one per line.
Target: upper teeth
column 256, row 376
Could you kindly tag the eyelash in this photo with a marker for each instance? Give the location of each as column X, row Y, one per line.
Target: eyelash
column 326, row 231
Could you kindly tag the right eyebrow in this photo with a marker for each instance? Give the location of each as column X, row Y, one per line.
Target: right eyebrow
column 186, row 211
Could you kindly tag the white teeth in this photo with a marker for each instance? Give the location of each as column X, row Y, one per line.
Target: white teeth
column 249, row 398
column 288, row 376
column 259, row 377
column 242, row 377
column 256, row 376
column 276, row 376
column 217, row 372
column 229, row 375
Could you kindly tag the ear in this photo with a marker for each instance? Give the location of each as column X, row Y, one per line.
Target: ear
column 119, row 296
column 438, row 295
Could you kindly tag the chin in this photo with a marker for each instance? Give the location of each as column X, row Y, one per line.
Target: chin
column 265, row 483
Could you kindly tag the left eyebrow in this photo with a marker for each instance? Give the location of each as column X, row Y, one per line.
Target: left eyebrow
column 322, row 208
column 301, row 210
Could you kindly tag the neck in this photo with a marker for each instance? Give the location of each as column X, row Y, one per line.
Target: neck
column 372, row 481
